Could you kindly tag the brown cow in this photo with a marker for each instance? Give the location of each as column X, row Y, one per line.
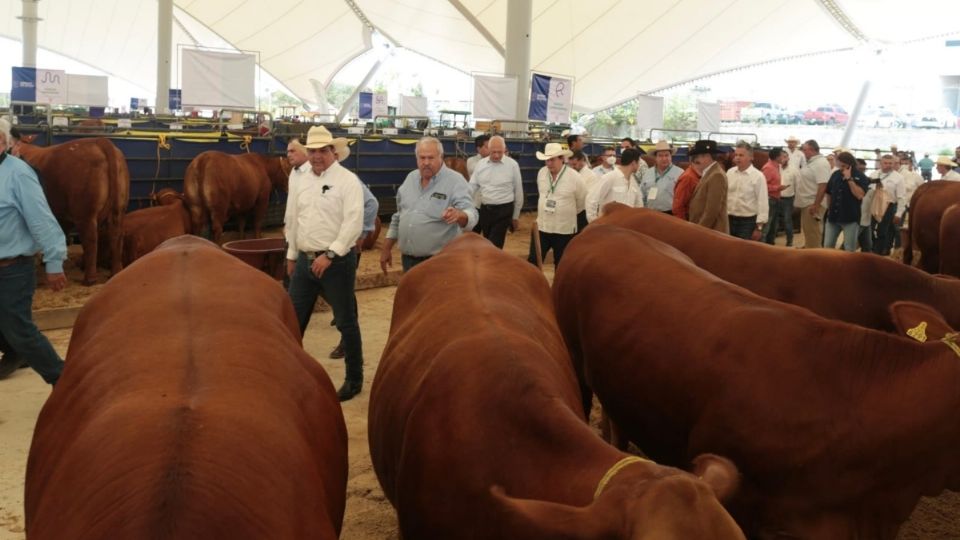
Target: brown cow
column 838, row 430
column 927, row 206
column 950, row 241
column 191, row 412
column 145, row 229
column 219, row 185
column 852, row 287
column 87, row 185
column 458, row 164
column 475, row 431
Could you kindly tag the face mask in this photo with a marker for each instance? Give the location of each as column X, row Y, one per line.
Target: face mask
column 611, row 160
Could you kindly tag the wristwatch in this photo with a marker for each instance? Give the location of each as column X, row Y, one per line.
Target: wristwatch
column 330, row 254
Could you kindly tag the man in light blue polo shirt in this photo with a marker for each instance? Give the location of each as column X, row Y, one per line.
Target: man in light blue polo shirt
column 433, row 206
column 27, row 226
column 660, row 180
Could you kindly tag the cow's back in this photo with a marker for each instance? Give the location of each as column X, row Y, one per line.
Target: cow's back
column 950, row 241
column 927, row 206
column 188, row 408
column 853, row 287
column 147, row 228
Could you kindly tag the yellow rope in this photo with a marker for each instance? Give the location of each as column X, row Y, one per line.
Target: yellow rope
column 950, row 340
column 161, row 144
column 247, row 139
column 919, row 332
column 612, row 471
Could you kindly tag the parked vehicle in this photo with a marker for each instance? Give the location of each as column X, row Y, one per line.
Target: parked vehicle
column 763, row 112
column 880, row 118
column 828, row 114
column 937, row 119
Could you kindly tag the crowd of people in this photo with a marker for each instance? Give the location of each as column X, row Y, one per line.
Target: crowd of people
column 330, row 211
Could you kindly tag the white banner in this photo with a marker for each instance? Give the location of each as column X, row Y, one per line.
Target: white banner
column 649, row 113
column 90, row 90
column 494, row 98
column 560, row 102
column 216, row 79
column 414, row 106
column 380, row 107
column 51, row 86
column 708, row 116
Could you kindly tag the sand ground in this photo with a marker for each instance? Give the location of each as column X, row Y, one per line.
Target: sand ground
column 368, row 514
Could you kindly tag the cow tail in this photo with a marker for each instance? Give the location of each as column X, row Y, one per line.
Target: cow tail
column 118, row 194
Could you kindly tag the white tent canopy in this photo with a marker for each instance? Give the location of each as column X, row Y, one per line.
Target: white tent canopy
column 613, row 49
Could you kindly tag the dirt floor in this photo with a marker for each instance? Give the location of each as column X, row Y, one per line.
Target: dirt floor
column 368, row 515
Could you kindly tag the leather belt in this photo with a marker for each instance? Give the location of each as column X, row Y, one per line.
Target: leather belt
column 13, row 260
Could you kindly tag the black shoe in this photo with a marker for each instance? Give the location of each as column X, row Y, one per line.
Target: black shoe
column 10, row 363
column 337, row 352
column 349, row 389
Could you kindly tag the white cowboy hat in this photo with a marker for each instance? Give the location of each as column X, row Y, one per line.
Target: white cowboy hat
column 792, row 138
column 320, row 137
column 552, row 150
column 662, row 146
column 841, row 149
column 945, row 160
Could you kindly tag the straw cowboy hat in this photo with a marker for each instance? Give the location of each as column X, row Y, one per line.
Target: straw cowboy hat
column 662, row 146
column 945, row 160
column 552, row 150
column 790, row 139
column 320, row 137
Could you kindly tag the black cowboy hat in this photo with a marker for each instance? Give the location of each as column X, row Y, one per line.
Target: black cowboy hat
column 703, row 147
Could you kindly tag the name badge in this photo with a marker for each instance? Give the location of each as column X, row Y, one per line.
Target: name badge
column 441, row 196
column 551, row 206
column 652, row 194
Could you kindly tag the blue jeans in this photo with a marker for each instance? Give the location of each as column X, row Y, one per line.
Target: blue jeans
column 866, row 239
column 555, row 241
column 17, row 283
column 409, row 261
column 831, row 231
column 770, row 228
column 742, row 226
column 337, row 289
column 786, row 207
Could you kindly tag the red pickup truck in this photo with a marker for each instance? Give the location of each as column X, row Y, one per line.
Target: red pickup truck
column 828, row 114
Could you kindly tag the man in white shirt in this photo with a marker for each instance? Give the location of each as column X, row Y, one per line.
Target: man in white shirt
column 747, row 202
column 616, row 186
column 496, row 181
column 890, row 186
column 795, row 157
column 480, row 143
column 326, row 220
column 811, row 189
column 911, row 181
column 580, row 162
column 946, row 166
column 608, row 161
column 299, row 166
column 561, row 193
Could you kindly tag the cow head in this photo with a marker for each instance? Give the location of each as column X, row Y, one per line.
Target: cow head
column 167, row 196
column 279, row 172
column 641, row 502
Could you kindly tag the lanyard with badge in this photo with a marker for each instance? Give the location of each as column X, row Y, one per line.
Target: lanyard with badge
column 551, row 204
column 652, row 192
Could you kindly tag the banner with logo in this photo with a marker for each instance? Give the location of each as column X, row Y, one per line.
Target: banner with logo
column 24, row 84
column 551, row 99
column 175, row 99
column 52, row 86
column 366, row 106
column 380, row 106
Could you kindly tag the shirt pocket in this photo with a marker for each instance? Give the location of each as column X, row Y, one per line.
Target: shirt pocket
column 436, row 206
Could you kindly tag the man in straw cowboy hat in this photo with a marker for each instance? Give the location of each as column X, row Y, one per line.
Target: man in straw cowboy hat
column 433, row 207
column 795, row 157
column 946, row 167
column 660, row 180
column 325, row 222
column 561, row 192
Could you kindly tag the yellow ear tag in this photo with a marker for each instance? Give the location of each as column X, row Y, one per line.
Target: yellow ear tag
column 919, row 332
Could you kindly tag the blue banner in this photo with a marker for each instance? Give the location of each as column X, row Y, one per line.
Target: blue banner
column 539, row 96
column 97, row 112
column 134, row 103
column 366, row 105
column 175, row 99
column 24, row 84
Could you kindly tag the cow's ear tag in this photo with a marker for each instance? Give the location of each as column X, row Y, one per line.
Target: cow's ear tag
column 919, row 332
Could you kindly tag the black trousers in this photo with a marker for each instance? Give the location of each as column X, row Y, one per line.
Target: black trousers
column 548, row 241
column 495, row 219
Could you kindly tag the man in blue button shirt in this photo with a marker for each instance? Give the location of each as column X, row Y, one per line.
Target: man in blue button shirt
column 27, row 226
column 433, row 206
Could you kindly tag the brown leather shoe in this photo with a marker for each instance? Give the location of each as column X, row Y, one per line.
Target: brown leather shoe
column 337, row 351
column 349, row 389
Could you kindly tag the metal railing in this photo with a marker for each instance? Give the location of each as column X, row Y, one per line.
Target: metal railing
column 392, row 119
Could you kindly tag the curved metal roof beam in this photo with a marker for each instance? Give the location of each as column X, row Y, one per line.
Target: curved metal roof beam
column 497, row 46
column 841, row 17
